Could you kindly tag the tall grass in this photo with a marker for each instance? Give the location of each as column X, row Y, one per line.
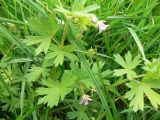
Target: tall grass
column 133, row 26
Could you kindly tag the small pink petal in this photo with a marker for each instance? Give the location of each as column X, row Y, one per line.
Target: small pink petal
column 102, row 26
column 86, row 102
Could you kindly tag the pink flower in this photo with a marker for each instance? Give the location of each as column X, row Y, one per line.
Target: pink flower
column 102, row 26
column 85, row 99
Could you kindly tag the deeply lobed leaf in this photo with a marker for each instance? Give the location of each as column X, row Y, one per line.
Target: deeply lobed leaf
column 55, row 90
column 128, row 64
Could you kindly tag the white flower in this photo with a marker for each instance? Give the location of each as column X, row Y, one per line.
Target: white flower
column 94, row 19
column 102, row 26
column 85, row 99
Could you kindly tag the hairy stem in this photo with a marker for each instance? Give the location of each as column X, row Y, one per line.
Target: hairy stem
column 65, row 31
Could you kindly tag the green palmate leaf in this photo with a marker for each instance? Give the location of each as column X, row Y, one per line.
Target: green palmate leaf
column 58, row 53
column 67, row 83
column 145, row 88
column 79, row 5
column 46, row 28
column 79, row 114
column 128, row 64
column 50, row 94
column 31, row 40
column 44, row 43
column 55, row 90
column 120, row 60
column 83, row 75
column 36, row 72
column 91, row 8
column 137, row 92
column 136, row 95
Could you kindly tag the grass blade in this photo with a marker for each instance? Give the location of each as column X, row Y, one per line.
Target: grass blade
column 138, row 42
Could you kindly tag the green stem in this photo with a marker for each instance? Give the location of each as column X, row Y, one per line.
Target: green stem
column 115, row 92
column 118, row 83
column 107, row 44
column 123, row 81
column 22, row 95
column 66, row 27
column 46, row 113
column 82, row 90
